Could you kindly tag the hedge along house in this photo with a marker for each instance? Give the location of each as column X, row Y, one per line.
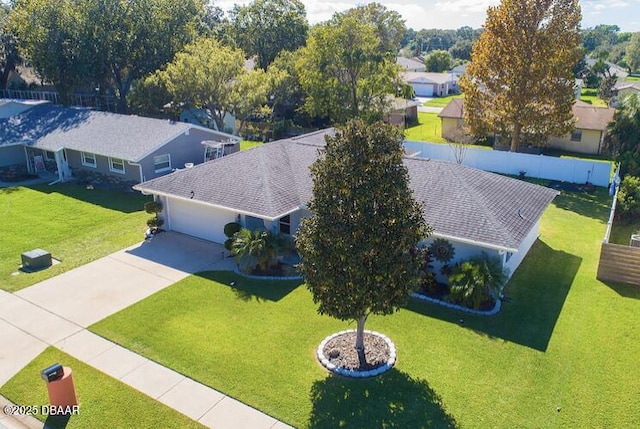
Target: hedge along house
column 123, row 148
column 269, row 186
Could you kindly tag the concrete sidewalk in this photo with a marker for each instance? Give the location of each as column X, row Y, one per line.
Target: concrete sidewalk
column 57, row 311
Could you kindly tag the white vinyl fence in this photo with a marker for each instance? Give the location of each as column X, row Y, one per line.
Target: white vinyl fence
column 539, row 166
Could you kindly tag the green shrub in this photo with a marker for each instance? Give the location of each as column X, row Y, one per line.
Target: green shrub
column 259, row 249
column 153, row 207
column 477, row 280
column 231, row 228
column 155, row 222
column 442, row 250
column 629, row 199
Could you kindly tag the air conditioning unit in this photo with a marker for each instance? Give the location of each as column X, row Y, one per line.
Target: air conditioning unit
column 635, row 240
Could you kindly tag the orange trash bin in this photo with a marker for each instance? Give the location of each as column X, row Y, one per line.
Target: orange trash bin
column 62, row 392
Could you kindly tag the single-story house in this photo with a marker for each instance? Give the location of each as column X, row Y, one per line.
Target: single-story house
column 426, row 84
column 459, row 70
column 411, row 64
column 613, row 68
column 625, row 89
column 129, row 149
column 587, row 136
column 269, row 186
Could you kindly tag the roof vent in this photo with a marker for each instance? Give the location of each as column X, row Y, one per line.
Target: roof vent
column 188, row 165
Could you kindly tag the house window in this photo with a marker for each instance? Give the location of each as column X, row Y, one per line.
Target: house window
column 576, row 135
column 162, row 163
column 89, row 159
column 285, row 225
column 116, row 165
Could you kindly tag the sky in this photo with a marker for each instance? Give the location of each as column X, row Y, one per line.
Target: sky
column 454, row 14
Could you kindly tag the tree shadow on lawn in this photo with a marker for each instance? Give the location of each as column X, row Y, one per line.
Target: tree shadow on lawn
column 391, row 400
column 596, row 205
column 535, row 296
column 125, row 202
column 250, row 289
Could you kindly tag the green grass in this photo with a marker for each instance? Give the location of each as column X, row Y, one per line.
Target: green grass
column 104, row 401
column 248, row 144
column 441, row 101
column 621, row 232
column 589, row 95
column 564, row 340
column 429, row 129
column 75, row 224
column 632, row 79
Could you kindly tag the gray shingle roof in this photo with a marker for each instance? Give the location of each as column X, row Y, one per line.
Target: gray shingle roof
column 52, row 127
column 274, row 179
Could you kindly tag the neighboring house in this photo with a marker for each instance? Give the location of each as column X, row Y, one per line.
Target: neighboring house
column 402, row 112
column 10, row 106
column 613, row 68
column 269, row 187
column 200, row 117
column 431, row 84
column 587, row 136
column 458, row 71
column 625, row 89
column 411, row 64
column 128, row 149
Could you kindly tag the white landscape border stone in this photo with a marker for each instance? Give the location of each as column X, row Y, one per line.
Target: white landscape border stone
column 493, row 311
column 354, row 373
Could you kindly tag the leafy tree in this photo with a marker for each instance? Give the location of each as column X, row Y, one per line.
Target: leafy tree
column 286, row 93
column 358, row 249
column 343, row 73
column 49, row 34
column 211, row 76
column 9, row 57
column 249, row 94
column 388, row 24
column 474, row 281
column 461, row 50
column 623, row 138
column 520, row 83
column 148, row 97
column 629, row 199
column 607, row 88
column 265, row 27
column 135, row 38
column 633, row 53
column 438, row 61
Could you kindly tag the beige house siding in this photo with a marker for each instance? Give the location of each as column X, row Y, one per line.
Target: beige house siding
column 449, row 127
column 589, row 143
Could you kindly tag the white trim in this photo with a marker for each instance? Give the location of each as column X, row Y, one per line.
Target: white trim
column 474, row 242
column 83, row 156
column 162, row 170
column 115, row 170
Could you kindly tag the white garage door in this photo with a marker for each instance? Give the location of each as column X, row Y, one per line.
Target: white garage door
column 423, row 89
column 198, row 220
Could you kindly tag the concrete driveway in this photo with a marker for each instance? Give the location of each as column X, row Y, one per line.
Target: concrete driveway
column 94, row 291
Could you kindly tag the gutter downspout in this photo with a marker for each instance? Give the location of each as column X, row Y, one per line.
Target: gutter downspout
column 139, row 169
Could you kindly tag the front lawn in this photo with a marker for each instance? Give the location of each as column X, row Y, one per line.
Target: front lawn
column 429, row 129
column 248, row 144
column 441, row 101
column 77, row 225
column 589, row 95
column 104, row 401
column 563, row 352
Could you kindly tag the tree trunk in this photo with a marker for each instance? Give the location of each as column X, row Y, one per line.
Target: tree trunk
column 515, row 138
column 360, row 341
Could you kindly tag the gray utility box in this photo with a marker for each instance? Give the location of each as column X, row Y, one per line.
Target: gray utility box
column 36, row 259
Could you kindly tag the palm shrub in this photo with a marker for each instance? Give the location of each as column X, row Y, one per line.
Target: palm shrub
column 258, row 249
column 230, row 230
column 475, row 281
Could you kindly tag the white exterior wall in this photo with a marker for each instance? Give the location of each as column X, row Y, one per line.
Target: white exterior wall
column 544, row 167
column 514, row 261
column 196, row 219
column 463, row 251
